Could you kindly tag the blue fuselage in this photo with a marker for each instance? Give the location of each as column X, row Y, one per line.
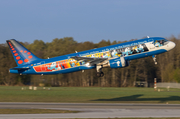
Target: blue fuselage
column 65, row 64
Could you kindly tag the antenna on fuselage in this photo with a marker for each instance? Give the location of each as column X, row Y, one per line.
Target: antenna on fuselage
column 147, row 36
column 76, row 51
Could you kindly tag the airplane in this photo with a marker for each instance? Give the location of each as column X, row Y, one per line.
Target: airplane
column 114, row 56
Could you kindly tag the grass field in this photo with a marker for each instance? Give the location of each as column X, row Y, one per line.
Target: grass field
column 89, row 95
column 33, row 111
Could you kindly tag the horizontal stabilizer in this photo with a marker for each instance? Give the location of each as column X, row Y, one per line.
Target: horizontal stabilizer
column 20, row 68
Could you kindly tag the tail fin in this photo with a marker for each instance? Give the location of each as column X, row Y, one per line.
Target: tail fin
column 21, row 55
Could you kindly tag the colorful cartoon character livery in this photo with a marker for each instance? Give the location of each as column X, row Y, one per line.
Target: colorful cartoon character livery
column 114, row 56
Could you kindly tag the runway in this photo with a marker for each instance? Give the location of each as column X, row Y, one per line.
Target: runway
column 93, row 110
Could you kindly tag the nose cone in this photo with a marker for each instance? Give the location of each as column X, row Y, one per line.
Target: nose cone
column 170, row 45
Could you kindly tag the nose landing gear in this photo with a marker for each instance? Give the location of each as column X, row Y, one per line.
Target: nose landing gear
column 99, row 71
column 154, row 59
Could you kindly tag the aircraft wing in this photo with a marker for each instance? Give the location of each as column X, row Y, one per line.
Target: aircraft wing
column 91, row 60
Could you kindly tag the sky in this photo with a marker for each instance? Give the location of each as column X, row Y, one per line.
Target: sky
column 88, row 20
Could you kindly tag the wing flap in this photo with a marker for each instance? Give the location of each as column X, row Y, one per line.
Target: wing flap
column 91, row 60
column 87, row 58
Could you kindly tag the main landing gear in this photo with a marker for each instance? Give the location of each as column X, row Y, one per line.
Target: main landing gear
column 99, row 71
column 100, row 74
column 154, row 59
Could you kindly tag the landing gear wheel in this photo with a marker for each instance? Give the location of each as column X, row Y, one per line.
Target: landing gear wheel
column 154, row 59
column 100, row 74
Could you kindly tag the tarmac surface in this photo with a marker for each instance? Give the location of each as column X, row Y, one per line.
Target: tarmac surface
column 92, row 110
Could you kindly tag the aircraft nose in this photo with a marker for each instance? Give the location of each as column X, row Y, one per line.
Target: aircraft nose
column 171, row 45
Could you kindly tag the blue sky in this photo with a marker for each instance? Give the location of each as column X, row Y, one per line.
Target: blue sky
column 88, row 20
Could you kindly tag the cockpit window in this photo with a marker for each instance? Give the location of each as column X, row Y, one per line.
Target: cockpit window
column 159, row 43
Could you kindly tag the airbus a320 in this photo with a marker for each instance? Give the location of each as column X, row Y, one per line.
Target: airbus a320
column 114, row 56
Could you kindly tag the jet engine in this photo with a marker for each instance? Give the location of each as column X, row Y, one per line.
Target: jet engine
column 118, row 63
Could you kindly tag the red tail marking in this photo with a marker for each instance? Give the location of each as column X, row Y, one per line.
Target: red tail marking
column 25, row 51
column 26, row 60
column 9, row 43
column 15, row 54
column 21, row 51
column 14, row 51
column 28, row 53
column 30, row 56
column 18, row 57
column 20, row 62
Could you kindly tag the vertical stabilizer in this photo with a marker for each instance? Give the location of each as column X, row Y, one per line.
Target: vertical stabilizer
column 21, row 55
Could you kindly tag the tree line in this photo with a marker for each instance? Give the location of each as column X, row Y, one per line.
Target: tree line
column 167, row 69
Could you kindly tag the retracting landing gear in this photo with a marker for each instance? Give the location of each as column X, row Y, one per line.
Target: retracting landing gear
column 154, row 59
column 100, row 74
column 99, row 71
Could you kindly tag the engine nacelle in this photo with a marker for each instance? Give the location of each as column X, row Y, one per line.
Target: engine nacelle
column 118, row 63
